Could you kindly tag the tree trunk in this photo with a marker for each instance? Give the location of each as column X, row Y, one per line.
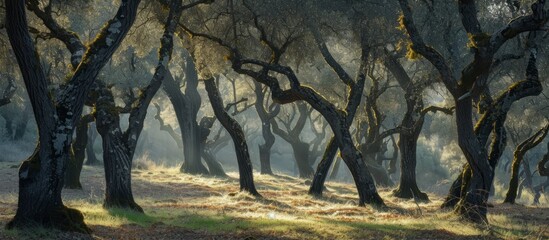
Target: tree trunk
column 236, row 133
column 518, row 155
column 268, row 136
column 407, row 144
column 301, row 154
column 454, row 194
column 78, row 147
column 379, row 173
column 117, row 157
column 473, row 205
column 265, row 157
column 407, row 187
column 186, row 109
column 8, row 125
column 215, row 168
column 540, row 188
column 90, row 152
column 41, row 176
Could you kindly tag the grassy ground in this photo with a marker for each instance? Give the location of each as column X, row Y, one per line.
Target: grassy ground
column 180, row 206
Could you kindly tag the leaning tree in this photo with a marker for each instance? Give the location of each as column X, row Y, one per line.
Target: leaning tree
column 471, row 202
column 272, row 71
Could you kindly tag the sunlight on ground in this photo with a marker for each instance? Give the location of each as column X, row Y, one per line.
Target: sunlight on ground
column 187, row 206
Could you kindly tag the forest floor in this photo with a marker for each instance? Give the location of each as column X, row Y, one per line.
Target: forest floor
column 181, row 206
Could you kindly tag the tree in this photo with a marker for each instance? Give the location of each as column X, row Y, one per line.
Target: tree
column 41, row 176
column 292, row 136
column 413, row 120
column 472, row 204
column 543, row 170
column 236, row 133
column 260, row 70
column 266, row 115
column 186, row 108
column 518, row 156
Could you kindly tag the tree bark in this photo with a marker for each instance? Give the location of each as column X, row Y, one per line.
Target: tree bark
column 76, row 161
column 117, row 157
column 214, row 167
column 239, row 140
column 41, row 176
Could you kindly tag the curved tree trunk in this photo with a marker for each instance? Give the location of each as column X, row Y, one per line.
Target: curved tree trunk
column 186, row 108
column 239, row 140
column 268, row 136
column 518, row 157
column 214, row 167
column 317, row 186
column 473, row 204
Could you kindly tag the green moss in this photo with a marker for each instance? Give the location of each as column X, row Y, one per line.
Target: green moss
column 410, row 53
column 477, row 40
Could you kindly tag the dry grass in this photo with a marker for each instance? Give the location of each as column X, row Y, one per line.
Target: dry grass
column 181, row 206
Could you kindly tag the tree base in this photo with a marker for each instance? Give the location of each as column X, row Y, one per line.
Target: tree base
column 373, row 200
column 128, row 204
column 449, row 203
column 62, row 218
column 195, row 170
column 411, row 194
column 471, row 212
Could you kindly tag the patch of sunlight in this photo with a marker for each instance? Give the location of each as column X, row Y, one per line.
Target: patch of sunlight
column 508, row 227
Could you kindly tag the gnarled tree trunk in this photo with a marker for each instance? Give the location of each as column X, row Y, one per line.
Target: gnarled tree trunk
column 41, row 176
column 239, row 140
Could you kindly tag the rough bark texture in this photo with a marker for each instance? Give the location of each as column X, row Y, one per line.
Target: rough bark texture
column 41, row 176
column 239, row 140
column 117, row 157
